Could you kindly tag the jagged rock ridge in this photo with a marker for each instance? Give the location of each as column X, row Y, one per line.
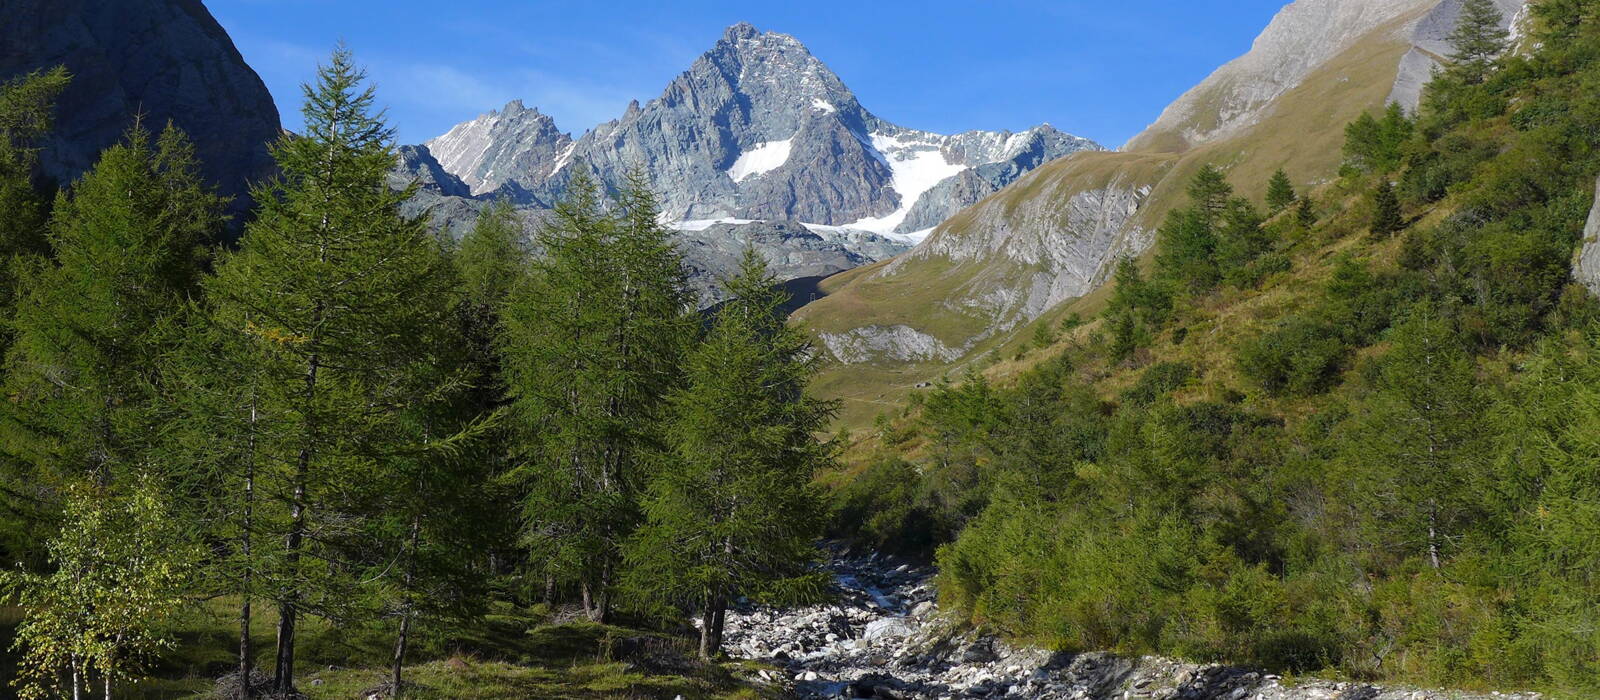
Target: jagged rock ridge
column 757, row 128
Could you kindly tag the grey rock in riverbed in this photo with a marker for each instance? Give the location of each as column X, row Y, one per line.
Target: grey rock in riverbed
column 927, row 656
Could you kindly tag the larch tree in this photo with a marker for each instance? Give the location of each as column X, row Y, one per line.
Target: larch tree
column 87, row 393
column 591, row 347
column 27, row 108
column 339, row 300
column 732, row 512
column 1420, row 449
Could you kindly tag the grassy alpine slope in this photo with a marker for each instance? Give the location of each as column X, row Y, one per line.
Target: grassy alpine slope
column 948, row 297
column 1321, row 440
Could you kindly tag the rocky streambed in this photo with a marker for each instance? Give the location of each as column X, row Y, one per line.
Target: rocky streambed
column 883, row 637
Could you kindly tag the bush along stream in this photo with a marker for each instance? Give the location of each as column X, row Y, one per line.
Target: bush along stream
column 884, row 637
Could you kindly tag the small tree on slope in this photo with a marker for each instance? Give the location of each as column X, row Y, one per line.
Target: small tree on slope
column 1280, row 192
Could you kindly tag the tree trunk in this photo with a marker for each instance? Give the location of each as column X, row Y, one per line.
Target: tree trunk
column 715, row 619
column 246, row 663
column 246, row 652
column 583, row 594
column 706, row 618
column 77, row 678
column 106, row 676
column 603, row 596
column 405, row 609
column 1433, row 536
column 400, row 651
column 288, row 608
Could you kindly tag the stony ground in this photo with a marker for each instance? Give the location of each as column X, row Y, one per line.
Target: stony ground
column 885, row 638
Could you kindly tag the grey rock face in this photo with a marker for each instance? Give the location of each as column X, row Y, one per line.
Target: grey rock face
column 946, row 198
column 515, row 144
column 1431, row 48
column 899, row 343
column 166, row 59
column 418, row 165
column 793, row 251
column 1587, row 269
column 757, row 128
column 1301, row 38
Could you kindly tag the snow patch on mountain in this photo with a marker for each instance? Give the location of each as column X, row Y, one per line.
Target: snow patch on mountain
column 917, row 164
column 761, row 159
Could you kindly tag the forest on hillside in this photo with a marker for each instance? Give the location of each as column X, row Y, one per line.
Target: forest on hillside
column 346, row 426
column 1350, row 428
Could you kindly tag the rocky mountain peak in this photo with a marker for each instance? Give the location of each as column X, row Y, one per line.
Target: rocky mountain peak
column 500, row 147
column 740, row 31
column 757, row 128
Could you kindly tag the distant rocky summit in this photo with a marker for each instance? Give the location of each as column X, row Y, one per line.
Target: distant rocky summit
column 757, row 129
column 758, row 144
column 167, row 60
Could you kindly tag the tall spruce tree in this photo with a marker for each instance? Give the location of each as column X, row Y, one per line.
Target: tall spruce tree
column 338, row 300
column 591, row 349
column 84, row 379
column 733, row 512
column 1280, row 191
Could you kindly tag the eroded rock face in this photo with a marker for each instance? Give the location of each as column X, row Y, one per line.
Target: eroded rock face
column 514, row 144
column 899, row 343
column 793, row 251
column 167, row 60
column 757, row 128
column 1587, row 269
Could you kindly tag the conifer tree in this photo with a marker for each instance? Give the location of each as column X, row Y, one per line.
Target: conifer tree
column 1209, row 191
column 1186, row 249
column 1306, row 212
column 1419, row 449
column 84, row 373
column 1280, row 192
column 339, row 300
column 592, row 348
column 1478, row 40
column 27, row 106
column 1386, row 217
column 732, row 512
column 217, row 391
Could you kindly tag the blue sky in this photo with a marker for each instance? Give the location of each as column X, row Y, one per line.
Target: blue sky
column 1096, row 68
